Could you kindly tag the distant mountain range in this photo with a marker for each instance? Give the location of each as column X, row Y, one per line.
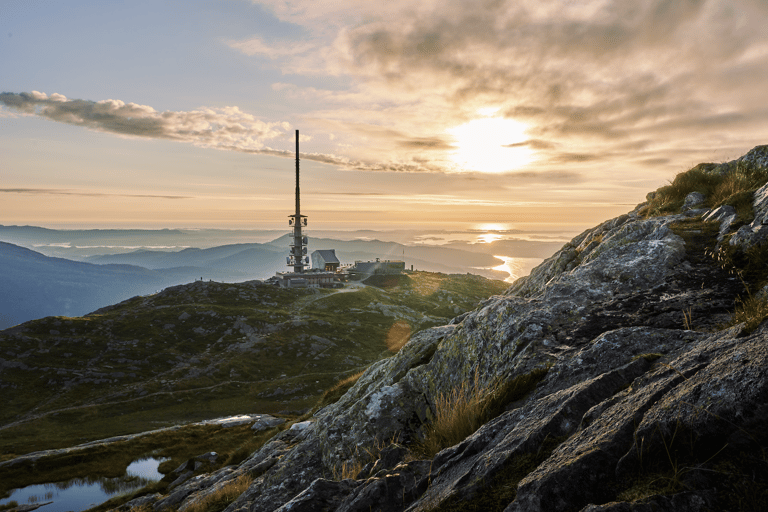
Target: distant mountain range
column 36, row 285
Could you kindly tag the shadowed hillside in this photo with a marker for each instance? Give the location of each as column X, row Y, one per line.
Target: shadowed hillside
column 206, row 349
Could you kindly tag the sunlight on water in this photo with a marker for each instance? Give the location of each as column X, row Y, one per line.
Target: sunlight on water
column 487, row 238
column 516, row 267
column 510, row 266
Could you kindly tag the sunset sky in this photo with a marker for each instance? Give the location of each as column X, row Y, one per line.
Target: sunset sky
column 508, row 113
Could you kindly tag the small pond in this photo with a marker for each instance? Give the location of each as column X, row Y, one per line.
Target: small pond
column 83, row 493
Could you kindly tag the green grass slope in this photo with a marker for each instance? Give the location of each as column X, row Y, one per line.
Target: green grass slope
column 204, row 350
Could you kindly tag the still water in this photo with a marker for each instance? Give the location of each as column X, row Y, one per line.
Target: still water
column 83, row 493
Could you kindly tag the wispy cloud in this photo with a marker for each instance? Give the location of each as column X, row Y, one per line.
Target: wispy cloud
column 257, row 46
column 84, row 193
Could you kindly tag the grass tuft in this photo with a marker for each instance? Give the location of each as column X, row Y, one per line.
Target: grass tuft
column 752, row 311
column 463, row 410
column 222, row 497
column 457, row 415
column 728, row 184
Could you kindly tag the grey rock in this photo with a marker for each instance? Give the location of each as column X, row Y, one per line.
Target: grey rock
column 391, row 491
column 750, row 235
column 139, row 502
column 322, row 494
column 680, row 502
column 301, row 426
column 693, row 200
column 725, row 215
column 184, row 475
column 760, row 205
column 756, row 157
column 266, row 421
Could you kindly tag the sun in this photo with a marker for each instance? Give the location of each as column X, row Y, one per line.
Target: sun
column 489, row 144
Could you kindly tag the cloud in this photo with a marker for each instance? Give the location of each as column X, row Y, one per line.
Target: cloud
column 599, row 84
column 68, row 192
column 434, row 143
column 549, row 176
column 589, row 78
column 257, row 46
column 208, row 127
column 531, row 143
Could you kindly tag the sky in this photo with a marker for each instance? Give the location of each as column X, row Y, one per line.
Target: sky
column 507, row 115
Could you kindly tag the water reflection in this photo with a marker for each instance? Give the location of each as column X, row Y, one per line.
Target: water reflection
column 516, row 267
column 82, row 493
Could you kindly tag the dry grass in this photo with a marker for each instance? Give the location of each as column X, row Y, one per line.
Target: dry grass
column 222, row 497
column 398, row 335
column 751, row 311
column 733, row 187
column 458, row 414
column 349, row 469
column 741, row 178
column 466, row 408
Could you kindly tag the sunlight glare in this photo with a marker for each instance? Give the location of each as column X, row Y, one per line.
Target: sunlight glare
column 510, row 266
column 487, row 238
column 483, row 145
column 492, row 226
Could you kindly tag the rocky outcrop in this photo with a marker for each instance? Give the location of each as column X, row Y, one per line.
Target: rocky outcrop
column 648, row 402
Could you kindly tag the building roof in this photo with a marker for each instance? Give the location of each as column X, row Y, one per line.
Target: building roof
column 328, row 255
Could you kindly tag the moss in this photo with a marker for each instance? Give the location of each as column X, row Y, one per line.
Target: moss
column 650, row 357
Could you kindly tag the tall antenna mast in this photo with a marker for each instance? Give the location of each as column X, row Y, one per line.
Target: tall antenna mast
column 298, row 258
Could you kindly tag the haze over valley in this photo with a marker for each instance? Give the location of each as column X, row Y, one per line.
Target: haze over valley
column 74, row 272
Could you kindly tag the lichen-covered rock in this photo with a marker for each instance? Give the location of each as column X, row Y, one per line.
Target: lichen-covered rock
column 756, row 232
column 757, row 157
column 726, row 216
column 391, row 491
column 693, row 200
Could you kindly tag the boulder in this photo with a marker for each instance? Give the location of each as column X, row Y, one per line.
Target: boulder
column 265, row 421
